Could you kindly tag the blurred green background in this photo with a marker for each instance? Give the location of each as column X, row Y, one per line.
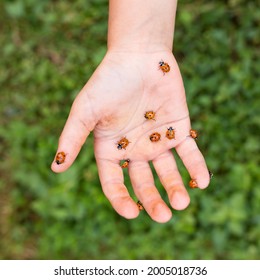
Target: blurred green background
column 49, row 49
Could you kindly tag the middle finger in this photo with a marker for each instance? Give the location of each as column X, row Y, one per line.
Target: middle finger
column 143, row 183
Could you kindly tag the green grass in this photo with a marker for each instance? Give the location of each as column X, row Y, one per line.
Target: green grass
column 48, row 52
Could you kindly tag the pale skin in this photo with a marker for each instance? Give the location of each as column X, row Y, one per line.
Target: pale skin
column 126, row 84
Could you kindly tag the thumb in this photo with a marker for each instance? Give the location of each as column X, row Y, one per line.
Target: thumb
column 80, row 123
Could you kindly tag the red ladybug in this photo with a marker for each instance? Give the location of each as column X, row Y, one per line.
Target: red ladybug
column 193, row 184
column 60, row 158
column 170, row 133
column 139, row 205
column 165, row 67
column 155, row 137
column 125, row 163
column 150, row 115
column 194, row 134
column 123, row 143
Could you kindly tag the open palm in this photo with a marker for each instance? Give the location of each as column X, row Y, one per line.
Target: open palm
column 113, row 103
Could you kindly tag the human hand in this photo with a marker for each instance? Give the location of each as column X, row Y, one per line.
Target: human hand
column 113, row 103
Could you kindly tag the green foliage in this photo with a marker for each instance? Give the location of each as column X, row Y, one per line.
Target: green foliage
column 48, row 51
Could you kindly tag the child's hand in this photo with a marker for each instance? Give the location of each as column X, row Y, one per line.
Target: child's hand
column 113, row 103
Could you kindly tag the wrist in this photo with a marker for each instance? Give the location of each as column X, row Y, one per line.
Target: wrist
column 143, row 26
column 138, row 47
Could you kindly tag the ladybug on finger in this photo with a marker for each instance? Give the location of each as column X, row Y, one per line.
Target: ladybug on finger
column 165, row 67
column 170, row 133
column 194, row 134
column 60, row 158
column 139, row 205
column 125, row 163
column 193, row 184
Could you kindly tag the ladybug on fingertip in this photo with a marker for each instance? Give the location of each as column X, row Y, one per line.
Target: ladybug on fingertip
column 165, row 67
column 150, row 115
column 155, row 137
column 194, row 134
column 60, row 158
column 170, row 133
column 122, row 143
column 193, row 183
column 125, row 164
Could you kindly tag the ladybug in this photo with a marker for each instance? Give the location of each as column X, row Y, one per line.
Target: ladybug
column 210, row 174
column 150, row 115
column 170, row 133
column 123, row 143
column 125, row 163
column 193, row 184
column 165, row 67
column 194, row 134
column 139, row 205
column 155, row 137
column 60, row 158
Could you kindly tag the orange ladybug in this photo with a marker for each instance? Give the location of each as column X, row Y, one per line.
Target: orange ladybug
column 123, row 143
column 60, row 158
column 155, row 137
column 150, row 115
column 125, row 163
column 193, row 184
column 165, row 67
column 194, row 134
column 139, row 205
column 170, row 133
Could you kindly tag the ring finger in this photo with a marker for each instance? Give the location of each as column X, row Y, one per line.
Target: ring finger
column 166, row 168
